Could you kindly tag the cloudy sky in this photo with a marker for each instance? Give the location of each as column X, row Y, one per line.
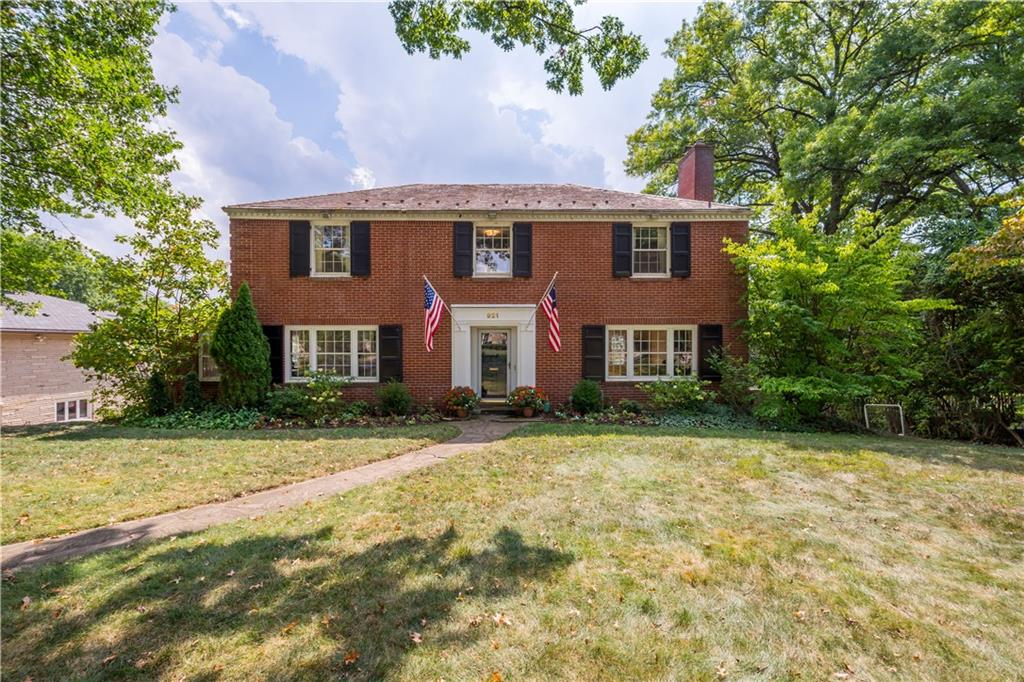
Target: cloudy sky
column 281, row 100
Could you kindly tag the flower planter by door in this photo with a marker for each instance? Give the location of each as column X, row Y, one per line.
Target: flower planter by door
column 527, row 412
column 462, row 413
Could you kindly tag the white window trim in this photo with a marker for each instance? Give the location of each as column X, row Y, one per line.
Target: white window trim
column 87, row 417
column 511, row 251
column 670, row 360
column 354, row 352
column 312, row 248
column 668, row 252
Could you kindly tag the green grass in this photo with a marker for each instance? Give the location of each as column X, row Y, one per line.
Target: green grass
column 575, row 553
column 57, row 480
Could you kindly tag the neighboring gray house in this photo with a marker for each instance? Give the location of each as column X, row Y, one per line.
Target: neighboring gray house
column 37, row 385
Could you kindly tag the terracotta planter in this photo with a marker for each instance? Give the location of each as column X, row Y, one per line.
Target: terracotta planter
column 462, row 413
column 527, row 412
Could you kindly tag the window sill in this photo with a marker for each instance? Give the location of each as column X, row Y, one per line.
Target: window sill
column 619, row 380
column 354, row 380
column 653, row 275
column 477, row 275
column 330, row 275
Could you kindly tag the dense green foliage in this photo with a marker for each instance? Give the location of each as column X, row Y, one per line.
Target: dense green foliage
column 827, row 108
column 165, row 294
column 393, row 399
column 79, row 111
column 547, row 26
column 214, row 417
column 973, row 359
column 42, row 263
column 242, row 353
column 158, row 397
column 192, row 399
column 675, row 394
column 875, row 141
column 586, row 397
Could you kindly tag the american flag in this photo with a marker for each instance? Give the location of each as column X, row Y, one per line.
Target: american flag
column 550, row 306
column 433, row 307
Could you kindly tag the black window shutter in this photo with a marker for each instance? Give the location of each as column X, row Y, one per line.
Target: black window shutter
column 709, row 344
column 298, row 248
column 622, row 249
column 462, row 249
column 360, row 248
column 389, row 347
column 275, row 339
column 680, row 249
column 593, row 352
column 522, row 250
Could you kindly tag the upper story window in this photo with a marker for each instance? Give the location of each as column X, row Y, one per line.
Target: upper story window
column 648, row 353
column 492, row 251
column 349, row 352
column 650, row 251
column 331, row 252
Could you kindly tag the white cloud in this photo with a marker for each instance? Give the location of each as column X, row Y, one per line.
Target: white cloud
column 362, row 178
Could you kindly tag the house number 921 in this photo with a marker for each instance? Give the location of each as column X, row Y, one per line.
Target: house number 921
column 492, row 316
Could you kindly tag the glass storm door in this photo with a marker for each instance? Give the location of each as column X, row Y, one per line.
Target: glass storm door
column 493, row 363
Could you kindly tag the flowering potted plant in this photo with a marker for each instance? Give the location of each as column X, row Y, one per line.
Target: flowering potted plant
column 527, row 399
column 461, row 400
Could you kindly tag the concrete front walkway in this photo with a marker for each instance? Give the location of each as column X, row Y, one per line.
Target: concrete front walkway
column 475, row 434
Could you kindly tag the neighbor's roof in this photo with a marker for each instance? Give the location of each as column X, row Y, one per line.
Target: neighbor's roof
column 536, row 197
column 53, row 315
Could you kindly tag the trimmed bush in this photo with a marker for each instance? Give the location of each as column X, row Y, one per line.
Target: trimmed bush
column 394, row 399
column 158, row 399
column 325, row 391
column 676, row 394
column 586, row 397
column 290, row 402
column 630, row 406
column 192, row 399
column 242, row 353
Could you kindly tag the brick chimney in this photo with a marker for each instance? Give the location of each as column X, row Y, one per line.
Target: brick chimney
column 697, row 173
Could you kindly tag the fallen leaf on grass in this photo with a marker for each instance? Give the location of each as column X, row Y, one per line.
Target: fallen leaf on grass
column 495, row 676
column 288, row 628
column 109, row 659
column 25, row 601
column 416, row 637
column 799, row 615
column 351, row 657
column 721, row 671
column 501, row 619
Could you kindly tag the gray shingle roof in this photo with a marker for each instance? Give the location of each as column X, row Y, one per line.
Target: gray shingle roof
column 498, row 197
column 53, row 315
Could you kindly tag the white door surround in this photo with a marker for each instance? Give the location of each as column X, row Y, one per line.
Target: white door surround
column 519, row 320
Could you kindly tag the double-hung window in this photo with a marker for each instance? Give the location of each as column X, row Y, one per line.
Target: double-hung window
column 650, row 251
column 642, row 353
column 349, row 352
column 492, row 251
column 331, row 250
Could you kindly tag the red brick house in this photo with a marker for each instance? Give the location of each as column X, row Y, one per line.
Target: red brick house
column 644, row 290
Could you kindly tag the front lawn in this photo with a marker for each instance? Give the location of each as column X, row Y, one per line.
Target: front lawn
column 576, row 553
column 57, row 480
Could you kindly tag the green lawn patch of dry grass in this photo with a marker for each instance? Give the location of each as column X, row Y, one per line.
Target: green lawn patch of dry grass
column 58, row 480
column 575, row 553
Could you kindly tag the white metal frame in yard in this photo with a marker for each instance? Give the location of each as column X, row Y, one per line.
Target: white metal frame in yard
column 903, row 422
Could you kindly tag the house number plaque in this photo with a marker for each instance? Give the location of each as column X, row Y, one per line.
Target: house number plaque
column 492, row 315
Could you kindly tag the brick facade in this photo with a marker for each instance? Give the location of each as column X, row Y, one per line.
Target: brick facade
column 404, row 250
column 34, row 376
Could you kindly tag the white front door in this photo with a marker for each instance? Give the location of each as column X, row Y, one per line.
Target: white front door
column 477, row 349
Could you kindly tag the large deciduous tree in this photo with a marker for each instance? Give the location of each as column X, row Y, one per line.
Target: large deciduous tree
column 547, row 26
column 78, row 111
column 902, row 109
column 166, row 295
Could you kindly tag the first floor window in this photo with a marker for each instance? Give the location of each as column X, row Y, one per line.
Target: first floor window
column 343, row 351
column 647, row 353
column 493, row 251
column 71, row 410
column 208, row 370
column 650, row 250
column 331, row 250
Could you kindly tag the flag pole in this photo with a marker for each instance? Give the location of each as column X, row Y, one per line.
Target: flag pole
column 550, row 284
column 445, row 303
